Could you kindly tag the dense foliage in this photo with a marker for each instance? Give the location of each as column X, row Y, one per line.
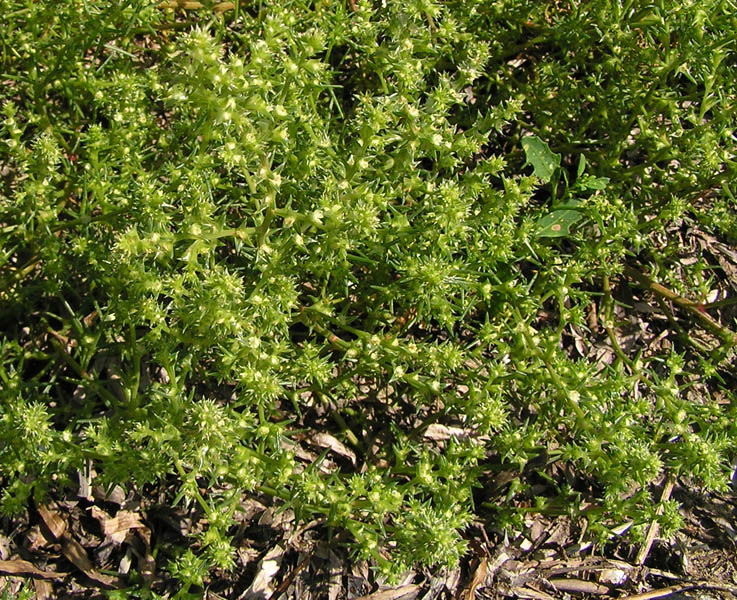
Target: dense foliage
column 222, row 231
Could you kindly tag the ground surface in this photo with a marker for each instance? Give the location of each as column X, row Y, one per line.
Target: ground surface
column 74, row 547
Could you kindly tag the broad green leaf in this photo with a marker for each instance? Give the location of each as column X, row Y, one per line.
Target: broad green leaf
column 543, row 160
column 572, row 203
column 558, row 223
column 595, row 183
column 581, row 166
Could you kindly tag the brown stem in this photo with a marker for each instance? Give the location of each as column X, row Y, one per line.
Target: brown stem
column 695, row 309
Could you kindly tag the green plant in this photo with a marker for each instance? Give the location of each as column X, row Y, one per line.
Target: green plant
column 312, row 217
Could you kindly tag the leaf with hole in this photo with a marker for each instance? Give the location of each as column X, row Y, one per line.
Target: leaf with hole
column 558, row 223
column 544, row 162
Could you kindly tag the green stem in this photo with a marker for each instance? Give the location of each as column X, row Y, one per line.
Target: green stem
column 720, row 303
column 183, row 476
column 77, row 368
column 86, row 220
column 683, row 335
column 609, row 324
column 558, row 382
column 347, row 431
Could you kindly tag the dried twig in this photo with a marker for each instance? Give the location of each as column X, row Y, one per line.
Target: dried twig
column 23, row 567
column 281, row 588
column 683, row 587
column 479, row 576
column 654, row 527
column 578, row 586
column 401, row 593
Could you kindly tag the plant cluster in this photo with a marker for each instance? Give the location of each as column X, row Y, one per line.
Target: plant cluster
column 216, row 230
